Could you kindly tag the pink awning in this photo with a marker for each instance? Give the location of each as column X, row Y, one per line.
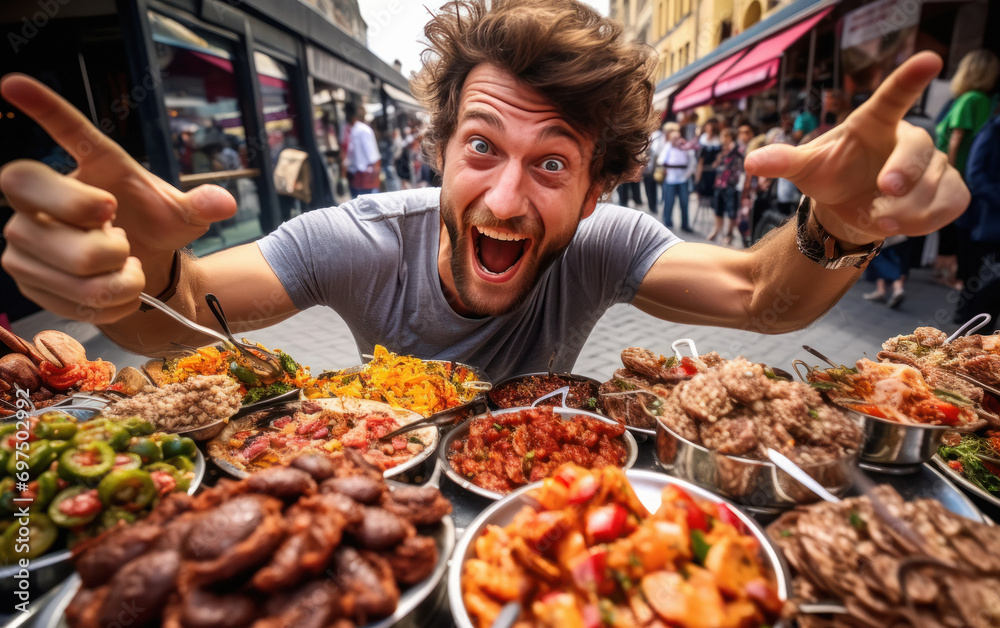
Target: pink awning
column 699, row 91
column 761, row 63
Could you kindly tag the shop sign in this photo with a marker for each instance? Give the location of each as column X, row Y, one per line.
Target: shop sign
column 879, row 19
column 326, row 67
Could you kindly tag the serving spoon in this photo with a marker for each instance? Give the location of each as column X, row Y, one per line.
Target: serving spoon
column 259, row 365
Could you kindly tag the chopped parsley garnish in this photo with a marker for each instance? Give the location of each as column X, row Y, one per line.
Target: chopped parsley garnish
column 813, row 413
column 260, row 393
column 857, row 522
column 699, row 546
column 967, row 452
column 414, row 439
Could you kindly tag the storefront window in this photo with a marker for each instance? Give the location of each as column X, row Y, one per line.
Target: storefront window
column 206, row 124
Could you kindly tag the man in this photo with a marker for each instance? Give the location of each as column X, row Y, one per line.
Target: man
column 364, row 163
column 537, row 110
column 679, row 163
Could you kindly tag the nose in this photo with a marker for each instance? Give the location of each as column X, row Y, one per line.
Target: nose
column 506, row 197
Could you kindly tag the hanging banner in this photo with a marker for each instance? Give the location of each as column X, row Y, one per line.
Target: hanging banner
column 876, row 38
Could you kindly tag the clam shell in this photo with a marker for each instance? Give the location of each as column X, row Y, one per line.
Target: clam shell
column 132, row 380
column 60, row 348
column 154, row 371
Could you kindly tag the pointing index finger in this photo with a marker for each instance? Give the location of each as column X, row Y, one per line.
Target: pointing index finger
column 61, row 120
column 897, row 93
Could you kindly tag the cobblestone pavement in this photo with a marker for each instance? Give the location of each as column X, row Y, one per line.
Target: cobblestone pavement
column 851, row 329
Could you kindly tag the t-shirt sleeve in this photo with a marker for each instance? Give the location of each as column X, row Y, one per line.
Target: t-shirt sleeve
column 615, row 248
column 324, row 256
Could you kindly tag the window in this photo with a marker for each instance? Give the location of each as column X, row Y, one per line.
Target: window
column 206, row 123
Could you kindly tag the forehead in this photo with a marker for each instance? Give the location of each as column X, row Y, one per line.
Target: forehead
column 492, row 92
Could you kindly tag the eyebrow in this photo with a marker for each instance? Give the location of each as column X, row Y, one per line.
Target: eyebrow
column 553, row 130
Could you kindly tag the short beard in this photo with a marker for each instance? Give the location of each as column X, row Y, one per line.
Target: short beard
column 463, row 274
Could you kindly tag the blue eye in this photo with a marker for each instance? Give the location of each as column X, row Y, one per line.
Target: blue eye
column 552, row 165
column 480, row 146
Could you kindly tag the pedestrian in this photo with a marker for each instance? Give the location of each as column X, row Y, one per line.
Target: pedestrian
column 975, row 78
column 729, row 175
column 364, row 162
column 709, row 147
column 656, row 143
column 679, row 164
column 538, row 108
column 887, row 268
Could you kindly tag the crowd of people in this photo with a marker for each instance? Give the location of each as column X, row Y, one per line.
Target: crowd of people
column 688, row 158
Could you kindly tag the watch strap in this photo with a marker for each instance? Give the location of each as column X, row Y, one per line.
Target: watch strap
column 821, row 247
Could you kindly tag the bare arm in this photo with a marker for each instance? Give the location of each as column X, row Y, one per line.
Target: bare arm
column 772, row 288
column 954, row 142
column 251, row 294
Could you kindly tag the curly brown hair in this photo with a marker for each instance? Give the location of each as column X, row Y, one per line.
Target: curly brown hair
column 564, row 50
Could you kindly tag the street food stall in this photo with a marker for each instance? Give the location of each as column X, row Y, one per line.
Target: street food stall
column 228, row 485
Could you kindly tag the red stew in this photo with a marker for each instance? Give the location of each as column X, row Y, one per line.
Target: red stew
column 504, row 452
column 523, row 391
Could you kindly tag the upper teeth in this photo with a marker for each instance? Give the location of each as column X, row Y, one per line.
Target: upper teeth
column 499, row 235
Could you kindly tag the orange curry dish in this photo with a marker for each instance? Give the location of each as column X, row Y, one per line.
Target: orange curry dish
column 590, row 554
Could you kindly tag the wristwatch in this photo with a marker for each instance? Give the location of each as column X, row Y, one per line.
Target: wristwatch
column 818, row 245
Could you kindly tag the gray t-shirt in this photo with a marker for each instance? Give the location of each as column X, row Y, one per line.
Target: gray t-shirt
column 374, row 261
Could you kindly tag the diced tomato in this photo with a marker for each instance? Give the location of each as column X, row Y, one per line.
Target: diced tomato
column 399, row 442
column 696, row 517
column 567, row 474
column 583, row 489
column 687, row 366
column 282, row 422
column 950, row 413
column 764, row 594
column 164, row 482
column 590, row 572
column 82, row 505
column 956, row 465
column 607, row 523
column 591, row 616
column 726, row 515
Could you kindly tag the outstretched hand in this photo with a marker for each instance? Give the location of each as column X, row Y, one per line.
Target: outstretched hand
column 874, row 175
column 84, row 245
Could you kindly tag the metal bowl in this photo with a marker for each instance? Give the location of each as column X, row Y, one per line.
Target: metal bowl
column 417, row 604
column 517, row 379
column 898, row 446
column 250, row 421
column 757, row 485
column 631, row 447
column 648, row 486
column 50, row 569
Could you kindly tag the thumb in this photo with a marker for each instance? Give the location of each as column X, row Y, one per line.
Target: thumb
column 206, row 204
column 776, row 161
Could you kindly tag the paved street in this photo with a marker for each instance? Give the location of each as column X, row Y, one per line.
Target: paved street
column 851, row 329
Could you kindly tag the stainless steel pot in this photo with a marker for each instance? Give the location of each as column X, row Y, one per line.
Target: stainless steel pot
column 757, row 485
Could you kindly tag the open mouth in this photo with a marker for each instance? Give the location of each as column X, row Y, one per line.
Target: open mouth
column 498, row 252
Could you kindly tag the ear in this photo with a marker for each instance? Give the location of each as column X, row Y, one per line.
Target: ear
column 590, row 203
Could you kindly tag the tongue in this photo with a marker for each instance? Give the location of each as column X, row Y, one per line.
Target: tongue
column 499, row 255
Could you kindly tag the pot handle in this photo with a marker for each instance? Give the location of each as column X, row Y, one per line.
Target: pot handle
column 677, row 344
column 973, row 324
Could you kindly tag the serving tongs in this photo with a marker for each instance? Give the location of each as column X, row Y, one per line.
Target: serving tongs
column 260, row 366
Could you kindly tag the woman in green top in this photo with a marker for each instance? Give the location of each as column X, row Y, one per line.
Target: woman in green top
column 975, row 78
